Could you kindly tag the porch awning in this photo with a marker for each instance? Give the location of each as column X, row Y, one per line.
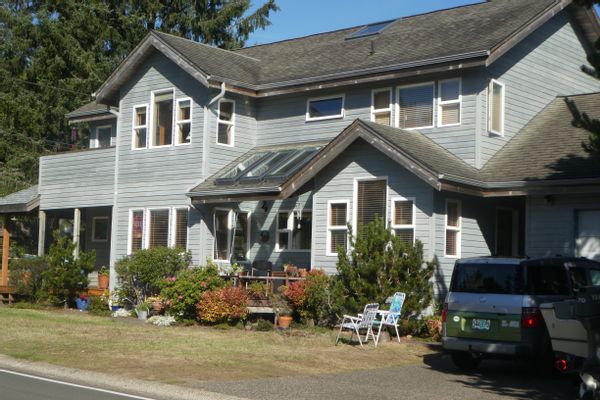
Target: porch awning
column 23, row 201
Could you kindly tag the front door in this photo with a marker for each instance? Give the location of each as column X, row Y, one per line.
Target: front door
column 507, row 232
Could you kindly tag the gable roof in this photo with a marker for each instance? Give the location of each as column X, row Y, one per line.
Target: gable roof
column 21, row 201
column 454, row 38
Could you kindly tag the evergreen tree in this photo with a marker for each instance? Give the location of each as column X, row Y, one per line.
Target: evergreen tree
column 54, row 54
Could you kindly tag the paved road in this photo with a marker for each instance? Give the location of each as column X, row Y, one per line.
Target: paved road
column 16, row 386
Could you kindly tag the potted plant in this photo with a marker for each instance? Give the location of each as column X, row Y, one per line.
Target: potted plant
column 257, row 292
column 114, row 301
column 103, row 278
column 83, row 302
column 142, row 311
column 283, row 311
column 156, row 303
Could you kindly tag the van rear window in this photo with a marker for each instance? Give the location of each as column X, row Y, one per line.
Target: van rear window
column 487, row 278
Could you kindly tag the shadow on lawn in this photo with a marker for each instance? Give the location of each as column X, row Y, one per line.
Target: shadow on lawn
column 512, row 379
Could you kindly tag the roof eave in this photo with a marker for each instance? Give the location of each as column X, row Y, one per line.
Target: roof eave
column 20, row 208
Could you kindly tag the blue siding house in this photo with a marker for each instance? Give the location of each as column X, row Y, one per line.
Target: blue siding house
column 451, row 125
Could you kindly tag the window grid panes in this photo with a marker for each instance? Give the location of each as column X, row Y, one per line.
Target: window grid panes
column 225, row 128
column 140, row 126
column 382, row 107
column 163, row 119
column 184, row 121
column 403, row 219
column 283, row 231
column 337, row 228
column 415, row 106
column 158, row 228
column 449, row 102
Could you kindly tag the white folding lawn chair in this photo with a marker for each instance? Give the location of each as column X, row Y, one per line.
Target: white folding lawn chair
column 391, row 317
column 360, row 322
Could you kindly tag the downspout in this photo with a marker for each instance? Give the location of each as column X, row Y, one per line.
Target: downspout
column 114, row 214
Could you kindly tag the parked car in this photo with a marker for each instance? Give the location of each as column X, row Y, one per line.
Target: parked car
column 492, row 307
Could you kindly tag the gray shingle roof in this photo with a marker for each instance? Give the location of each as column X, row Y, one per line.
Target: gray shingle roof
column 21, row 201
column 548, row 148
column 89, row 109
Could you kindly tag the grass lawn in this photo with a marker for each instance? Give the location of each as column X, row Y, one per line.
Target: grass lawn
column 185, row 355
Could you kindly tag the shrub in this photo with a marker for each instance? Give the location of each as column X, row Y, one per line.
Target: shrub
column 296, row 295
column 227, row 304
column 141, row 274
column 99, row 306
column 26, row 277
column 66, row 275
column 182, row 292
column 380, row 264
column 324, row 298
column 262, row 325
column 257, row 290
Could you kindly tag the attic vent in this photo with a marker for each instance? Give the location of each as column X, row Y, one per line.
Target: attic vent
column 369, row 30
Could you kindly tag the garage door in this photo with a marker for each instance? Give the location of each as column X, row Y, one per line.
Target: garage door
column 588, row 234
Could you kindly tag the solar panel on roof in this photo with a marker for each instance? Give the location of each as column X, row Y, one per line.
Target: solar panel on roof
column 372, row 29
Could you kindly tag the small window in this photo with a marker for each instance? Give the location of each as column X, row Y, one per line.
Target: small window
column 100, row 229
column 136, row 231
column 294, row 230
column 180, row 231
column 226, row 121
column 381, row 108
column 184, row 121
column 496, row 107
column 158, row 228
column 403, row 219
column 140, row 127
column 370, row 202
column 415, row 106
column 163, row 119
column 283, row 231
column 453, row 227
column 222, row 239
column 241, row 237
column 337, row 228
column 329, row 108
column 449, row 102
column 103, row 137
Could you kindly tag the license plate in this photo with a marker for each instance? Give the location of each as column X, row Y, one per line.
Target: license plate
column 480, row 324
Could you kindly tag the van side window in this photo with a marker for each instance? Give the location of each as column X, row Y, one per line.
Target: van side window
column 547, row 280
column 595, row 277
column 578, row 278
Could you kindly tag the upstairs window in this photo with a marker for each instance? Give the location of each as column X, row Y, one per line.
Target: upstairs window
column 370, row 202
column 381, row 107
column 163, row 119
column 496, row 107
column 140, row 126
column 102, row 137
column 183, row 121
column 226, row 121
column 337, row 228
column 294, row 230
column 325, row 108
column 158, row 228
column 403, row 219
column 453, row 228
column 415, row 106
column 449, row 102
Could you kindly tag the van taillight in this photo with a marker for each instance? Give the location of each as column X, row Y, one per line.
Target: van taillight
column 444, row 312
column 531, row 317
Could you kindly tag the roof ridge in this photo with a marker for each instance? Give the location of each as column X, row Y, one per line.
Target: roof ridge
column 565, row 96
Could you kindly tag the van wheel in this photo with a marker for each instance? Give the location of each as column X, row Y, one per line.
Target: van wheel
column 465, row 360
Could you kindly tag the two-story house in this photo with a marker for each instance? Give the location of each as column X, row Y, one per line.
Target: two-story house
column 450, row 125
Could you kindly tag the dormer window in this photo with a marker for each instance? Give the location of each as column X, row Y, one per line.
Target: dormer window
column 226, row 122
column 163, row 119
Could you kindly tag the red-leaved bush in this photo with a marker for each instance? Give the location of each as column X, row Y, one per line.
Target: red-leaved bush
column 227, row 304
column 296, row 294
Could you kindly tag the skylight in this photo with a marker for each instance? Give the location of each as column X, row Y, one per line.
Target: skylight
column 371, row 29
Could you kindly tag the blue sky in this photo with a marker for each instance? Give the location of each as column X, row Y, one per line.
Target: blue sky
column 305, row 17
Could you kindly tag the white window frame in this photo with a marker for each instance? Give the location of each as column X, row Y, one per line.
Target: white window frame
column 95, row 139
column 248, row 232
column 184, row 121
column 232, row 122
column 382, row 110
column 331, row 228
column 290, row 231
column 355, row 200
column 134, row 127
column 153, row 94
column 337, row 116
column 147, row 222
column 397, row 118
column 449, row 102
column 394, row 226
column 173, row 226
column 490, row 107
column 94, row 219
column 229, row 227
column 457, row 229
column 130, row 230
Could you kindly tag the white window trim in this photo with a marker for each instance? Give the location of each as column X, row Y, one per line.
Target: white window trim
column 183, row 121
column 232, row 122
column 248, row 232
column 130, row 230
column 134, row 127
column 147, row 222
column 151, row 129
column 95, row 139
column 337, row 116
column 229, row 227
column 393, row 201
column 490, row 107
column 397, row 118
column 355, row 200
column 457, row 229
column 382, row 110
column 449, row 102
column 94, row 219
column 331, row 228
column 173, row 226
column 290, row 231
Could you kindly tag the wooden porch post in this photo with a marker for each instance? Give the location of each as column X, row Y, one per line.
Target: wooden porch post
column 41, row 233
column 76, row 231
column 5, row 250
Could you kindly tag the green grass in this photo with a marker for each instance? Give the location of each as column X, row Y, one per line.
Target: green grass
column 185, row 355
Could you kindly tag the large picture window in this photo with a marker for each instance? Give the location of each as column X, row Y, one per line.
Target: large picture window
column 226, row 122
column 337, row 228
column 163, row 119
column 140, row 127
column 294, row 230
column 415, row 105
column 449, row 102
column 371, row 200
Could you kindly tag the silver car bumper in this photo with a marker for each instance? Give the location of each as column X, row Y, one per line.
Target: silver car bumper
column 483, row 346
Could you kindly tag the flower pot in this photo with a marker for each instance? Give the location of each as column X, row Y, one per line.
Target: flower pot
column 103, row 281
column 82, row 305
column 158, row 307
column 115, row 307
column 284, row 321
column 142, row 315
column 302, row 272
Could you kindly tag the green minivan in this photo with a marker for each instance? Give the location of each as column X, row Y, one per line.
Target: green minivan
column 492, row 307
